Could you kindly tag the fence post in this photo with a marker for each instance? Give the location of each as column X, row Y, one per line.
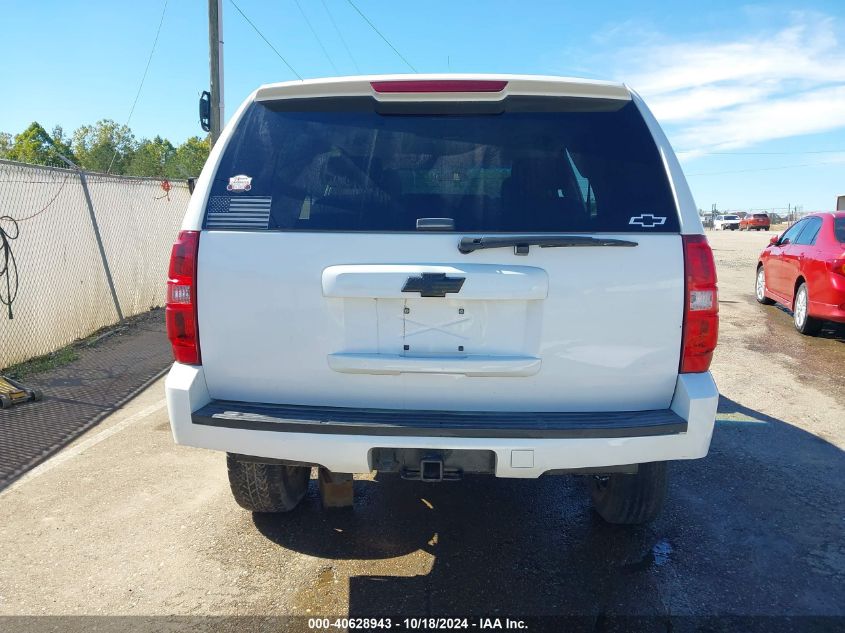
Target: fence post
column 96, row 227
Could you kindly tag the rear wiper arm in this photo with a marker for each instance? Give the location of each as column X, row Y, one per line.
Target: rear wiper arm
column 522, row 242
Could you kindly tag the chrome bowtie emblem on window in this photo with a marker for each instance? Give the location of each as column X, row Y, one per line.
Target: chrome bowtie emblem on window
column 433, row 284
column 647, row 220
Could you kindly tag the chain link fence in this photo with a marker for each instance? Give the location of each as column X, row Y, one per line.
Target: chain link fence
column 71, row 261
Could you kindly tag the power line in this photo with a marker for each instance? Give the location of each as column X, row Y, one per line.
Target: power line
column 266, row 41
column 820, row 151
column 340, row 35
column 373, row 26
column 316, row 37
column 744, row 171
column 143, row 79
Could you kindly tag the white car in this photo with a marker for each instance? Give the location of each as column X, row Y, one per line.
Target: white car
column 726, row 223
column 439, row 275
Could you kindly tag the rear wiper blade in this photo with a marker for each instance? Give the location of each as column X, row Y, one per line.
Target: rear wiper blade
column 522, row 242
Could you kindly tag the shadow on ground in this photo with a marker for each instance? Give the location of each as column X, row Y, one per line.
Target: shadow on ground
column 830, row 330
column 754, row 529
column 81, row 394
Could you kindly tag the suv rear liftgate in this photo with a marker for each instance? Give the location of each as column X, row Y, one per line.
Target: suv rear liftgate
column 442, row 266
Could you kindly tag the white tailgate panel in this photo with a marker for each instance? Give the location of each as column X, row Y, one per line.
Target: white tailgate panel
column 320, row 319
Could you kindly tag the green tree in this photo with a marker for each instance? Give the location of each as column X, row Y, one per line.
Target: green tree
column 34, row 145
column 105, row 146
column 60, row 140
column 189, row 158
column 5, row 144
column 151, row 158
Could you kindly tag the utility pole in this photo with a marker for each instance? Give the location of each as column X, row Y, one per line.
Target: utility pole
column 215, row 66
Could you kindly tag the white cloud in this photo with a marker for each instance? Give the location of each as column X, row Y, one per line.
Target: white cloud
column 718, row 95
column 782, row 116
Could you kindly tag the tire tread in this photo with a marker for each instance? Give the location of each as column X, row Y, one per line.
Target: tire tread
column 266, row 487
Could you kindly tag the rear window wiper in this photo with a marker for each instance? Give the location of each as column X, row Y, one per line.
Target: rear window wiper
column 521, row 243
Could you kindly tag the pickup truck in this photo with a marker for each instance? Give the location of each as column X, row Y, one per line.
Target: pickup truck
column 438, row 276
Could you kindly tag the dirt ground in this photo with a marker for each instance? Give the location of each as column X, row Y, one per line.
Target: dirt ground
column 123, row 522
column 760, row 360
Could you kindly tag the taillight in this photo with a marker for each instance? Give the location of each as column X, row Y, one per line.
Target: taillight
column 181, row 310
column 439, row 85
column 701, row 310
column 837, row 266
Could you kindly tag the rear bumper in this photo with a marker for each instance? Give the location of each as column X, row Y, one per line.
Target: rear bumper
column 525, row 444
column 830, row 312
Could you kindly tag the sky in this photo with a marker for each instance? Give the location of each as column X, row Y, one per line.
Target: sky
column 752, row 96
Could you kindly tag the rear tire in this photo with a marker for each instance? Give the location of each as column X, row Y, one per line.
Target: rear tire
column 266, row 487
column 804, row 323
column 760, row 288
column 630, row 499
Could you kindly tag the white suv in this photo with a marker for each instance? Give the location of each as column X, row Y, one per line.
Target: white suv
column 443, row 275
column 726, row 223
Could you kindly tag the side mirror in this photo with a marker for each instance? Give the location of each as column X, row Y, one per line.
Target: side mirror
column 205, row 111
column 774, row 240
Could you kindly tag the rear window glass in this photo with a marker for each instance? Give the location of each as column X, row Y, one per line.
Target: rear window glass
column 567, row 167
column 839, row 229
column 809, row 232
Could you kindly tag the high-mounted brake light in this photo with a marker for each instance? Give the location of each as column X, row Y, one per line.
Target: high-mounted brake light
column 701, row 305
column 180, row 313
column 439, row 85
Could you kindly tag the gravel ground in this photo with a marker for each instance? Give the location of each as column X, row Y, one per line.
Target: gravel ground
column 123, row 522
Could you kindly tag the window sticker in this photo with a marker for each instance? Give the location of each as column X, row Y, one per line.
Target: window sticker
column 239, row 183
column 225, row 212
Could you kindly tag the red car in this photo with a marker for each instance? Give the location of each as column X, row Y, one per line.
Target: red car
column 755, row 222
column 804, row 269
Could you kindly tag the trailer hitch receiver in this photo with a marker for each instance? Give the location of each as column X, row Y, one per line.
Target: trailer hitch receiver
column 431, row 469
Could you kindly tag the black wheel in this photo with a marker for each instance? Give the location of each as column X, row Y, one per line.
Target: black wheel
column 760, row 288
column 266, row 487
column 5, row 402
column 36, row 395
column 630, row 499
column 804, row 323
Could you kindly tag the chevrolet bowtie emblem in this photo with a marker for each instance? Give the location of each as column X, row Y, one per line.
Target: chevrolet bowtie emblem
column 648, row 220
column 433, row 284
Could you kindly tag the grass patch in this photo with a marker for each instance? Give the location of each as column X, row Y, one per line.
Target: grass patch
column 70, row 353
column 53, row 360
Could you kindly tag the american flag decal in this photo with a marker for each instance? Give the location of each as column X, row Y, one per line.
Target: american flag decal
column 226, row 212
